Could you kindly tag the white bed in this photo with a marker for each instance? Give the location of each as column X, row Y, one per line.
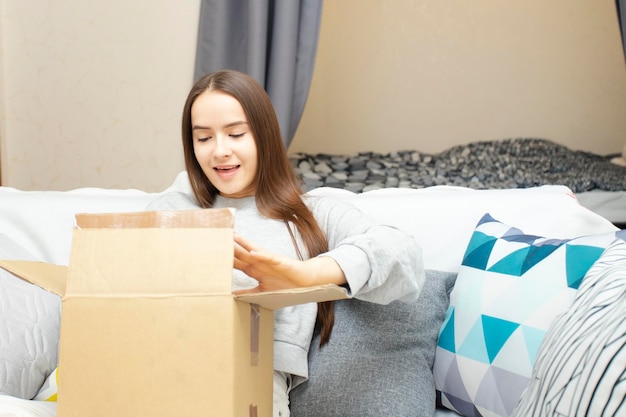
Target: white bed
column 609, row 204
column 598, row 182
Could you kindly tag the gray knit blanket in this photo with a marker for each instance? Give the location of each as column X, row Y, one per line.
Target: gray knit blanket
column 508, row 163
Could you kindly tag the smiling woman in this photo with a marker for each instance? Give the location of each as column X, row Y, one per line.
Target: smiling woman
column 235, row 158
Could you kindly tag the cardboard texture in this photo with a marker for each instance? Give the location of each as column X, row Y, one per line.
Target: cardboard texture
column 284, row 298
column 149, row 324
column 49, row 277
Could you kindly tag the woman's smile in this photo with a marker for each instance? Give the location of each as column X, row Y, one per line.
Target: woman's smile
column 226, row 171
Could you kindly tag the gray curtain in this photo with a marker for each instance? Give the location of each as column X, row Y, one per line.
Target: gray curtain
column 621, row 14
column 275, row 41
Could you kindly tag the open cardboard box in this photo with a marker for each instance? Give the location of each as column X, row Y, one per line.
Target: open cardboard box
column 149, row 325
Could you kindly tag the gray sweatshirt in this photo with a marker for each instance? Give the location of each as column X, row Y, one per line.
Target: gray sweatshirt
column 381, row 263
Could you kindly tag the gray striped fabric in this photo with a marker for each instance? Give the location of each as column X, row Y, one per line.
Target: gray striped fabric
column 581, row 364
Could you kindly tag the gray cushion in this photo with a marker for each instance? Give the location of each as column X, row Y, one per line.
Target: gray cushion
column 379, row 359
column 29, row 329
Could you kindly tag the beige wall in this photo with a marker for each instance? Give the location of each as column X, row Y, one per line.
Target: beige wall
column 92, row 92
column 427, row 75
column 2, row 89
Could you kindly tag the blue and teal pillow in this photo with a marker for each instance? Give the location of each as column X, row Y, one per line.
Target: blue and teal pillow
column 510, row 287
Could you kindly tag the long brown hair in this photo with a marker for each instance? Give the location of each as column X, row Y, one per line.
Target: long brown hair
column 278, row 193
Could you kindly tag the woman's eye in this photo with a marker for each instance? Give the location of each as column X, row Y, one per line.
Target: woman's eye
column 203, row 139
column 237, row 135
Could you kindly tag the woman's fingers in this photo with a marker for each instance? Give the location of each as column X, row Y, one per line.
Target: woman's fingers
column 271, row 270
column 238, row 264
column 244, row 243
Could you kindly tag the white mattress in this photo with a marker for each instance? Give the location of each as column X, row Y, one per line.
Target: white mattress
column 609, row 204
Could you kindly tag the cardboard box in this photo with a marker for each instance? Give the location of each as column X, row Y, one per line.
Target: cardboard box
column 149, row 324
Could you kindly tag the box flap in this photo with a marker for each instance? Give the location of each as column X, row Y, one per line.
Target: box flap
column 47, row 276
column 151, row 254
column 211, row 218
column 285, row 298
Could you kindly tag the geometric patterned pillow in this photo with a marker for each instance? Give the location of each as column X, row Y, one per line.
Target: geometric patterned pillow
column 509, row 289
column 590, row 378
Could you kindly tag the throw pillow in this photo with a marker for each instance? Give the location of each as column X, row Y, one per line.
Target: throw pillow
column 379, row 358
column 510, row 287
column 581, row 364
column 29, row 329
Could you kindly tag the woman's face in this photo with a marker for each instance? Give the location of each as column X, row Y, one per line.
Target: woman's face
column 223, row 144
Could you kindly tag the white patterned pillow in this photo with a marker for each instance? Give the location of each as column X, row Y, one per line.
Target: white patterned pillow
column 581, row 365
column 29, row 329
column 510, row 287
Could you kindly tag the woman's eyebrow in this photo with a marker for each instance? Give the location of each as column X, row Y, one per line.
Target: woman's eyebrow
column 237, row 123
column 232, row 124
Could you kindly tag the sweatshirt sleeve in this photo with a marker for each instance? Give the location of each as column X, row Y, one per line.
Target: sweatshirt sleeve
column 381, row 262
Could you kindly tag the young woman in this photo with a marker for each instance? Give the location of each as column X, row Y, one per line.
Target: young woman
column 235, row 157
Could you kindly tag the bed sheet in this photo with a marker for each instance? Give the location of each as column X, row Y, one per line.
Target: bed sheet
column 16, row 407
column 609, row 204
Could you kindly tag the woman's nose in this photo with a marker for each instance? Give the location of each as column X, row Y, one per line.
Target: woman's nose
column 222, row 146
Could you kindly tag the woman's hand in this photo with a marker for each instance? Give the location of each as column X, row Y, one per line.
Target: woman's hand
column 277, row 272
